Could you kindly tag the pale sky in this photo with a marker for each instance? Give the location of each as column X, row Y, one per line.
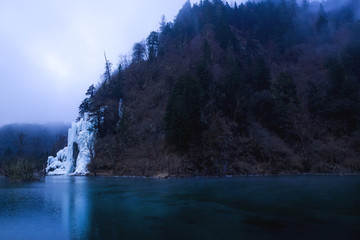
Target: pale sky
column 51, row 51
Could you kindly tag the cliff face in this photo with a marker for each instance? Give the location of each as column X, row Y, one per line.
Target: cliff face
column 74, row 158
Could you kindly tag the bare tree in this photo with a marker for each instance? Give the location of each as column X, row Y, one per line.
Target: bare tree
column 107, row 74
column 124, row 61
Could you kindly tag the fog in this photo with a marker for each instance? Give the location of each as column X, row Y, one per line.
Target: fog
column 51, row 51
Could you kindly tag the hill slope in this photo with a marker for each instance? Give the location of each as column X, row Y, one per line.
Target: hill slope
column 257, row 88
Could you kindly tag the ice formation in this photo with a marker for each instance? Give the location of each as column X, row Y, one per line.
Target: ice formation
column 74, row 158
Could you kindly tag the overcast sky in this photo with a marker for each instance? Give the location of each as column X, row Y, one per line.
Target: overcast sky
column 51, row 51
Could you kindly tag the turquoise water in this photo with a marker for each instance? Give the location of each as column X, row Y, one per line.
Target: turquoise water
column 300, row 207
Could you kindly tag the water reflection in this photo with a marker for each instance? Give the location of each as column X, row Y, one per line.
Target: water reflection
column 70, row 195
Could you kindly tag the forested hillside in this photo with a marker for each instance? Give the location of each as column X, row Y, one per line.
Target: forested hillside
column 270, row 87
column 33, row 142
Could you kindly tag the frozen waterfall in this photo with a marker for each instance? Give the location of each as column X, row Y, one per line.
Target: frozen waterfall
column 74, row 158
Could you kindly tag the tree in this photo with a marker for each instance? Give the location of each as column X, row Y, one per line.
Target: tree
column 6, row 158
column 107, row 74
column 139, row 52
column 337, row 78
column 182, row 119
column 322, row 22
column 94, row 163
column 86, row 104
column 162, row 23
column 84, row 107
column 285, row 99
column 315, row 100
column 342, row 99
column 262, row 107
column 97, row 120
column 185, row 23
column 284, row 89
column 20, row 169
column 8, row 153
column 261, row 76
column 351, row 58
column 36, row 144
column 293, row 6
column 91, row 90
column 233, row 91
column 152, row 43
column 305, row 5
column 117, row 88
column 21, row 144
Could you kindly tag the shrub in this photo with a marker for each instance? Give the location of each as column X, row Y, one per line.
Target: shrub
column 20, row 169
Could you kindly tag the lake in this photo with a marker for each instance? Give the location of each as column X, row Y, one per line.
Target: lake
column 294, row 207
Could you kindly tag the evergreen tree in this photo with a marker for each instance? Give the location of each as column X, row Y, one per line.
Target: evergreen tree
column 152, row 43
column 284, row 89
column 305, row 5
column 182, row 119
column 233, row 95
column 117, row 88
column 285, row 100
column 322, row 21
column 162, row 23
column 84, row 107
column 90, row 92
column 139, row 52
column 351, row 58
column 342, row 98
column 261, row 76
column 315, row 101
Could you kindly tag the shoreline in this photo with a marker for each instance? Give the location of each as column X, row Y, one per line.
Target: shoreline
column 214, row 176
column 164, row 176
column 194, row 177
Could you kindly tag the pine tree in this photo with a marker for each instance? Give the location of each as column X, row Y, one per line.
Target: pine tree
column 152, row 43
column 139, row 52
column 162, row 23
column 84, row 107
column 284, row 89
column 261, row 77
column 90, row 92
column 182, row 119
column 322, row 21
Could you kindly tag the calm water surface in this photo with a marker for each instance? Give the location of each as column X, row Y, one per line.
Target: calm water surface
column 302, row 207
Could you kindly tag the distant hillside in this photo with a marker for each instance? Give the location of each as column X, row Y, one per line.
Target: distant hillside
column 265, row 87
column 35, row 141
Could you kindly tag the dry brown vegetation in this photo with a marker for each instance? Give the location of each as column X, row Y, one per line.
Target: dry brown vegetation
column 289, row 125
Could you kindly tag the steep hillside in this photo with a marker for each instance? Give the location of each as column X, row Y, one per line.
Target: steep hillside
column 258, row 88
